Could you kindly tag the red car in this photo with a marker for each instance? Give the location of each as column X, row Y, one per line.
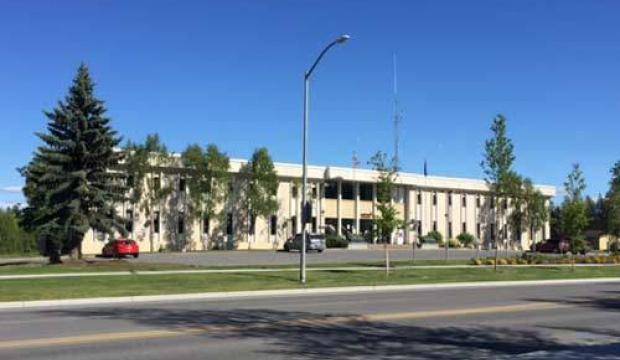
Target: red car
column 121, row 247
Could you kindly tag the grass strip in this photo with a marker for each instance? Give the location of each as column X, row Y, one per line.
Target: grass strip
column 134, row 285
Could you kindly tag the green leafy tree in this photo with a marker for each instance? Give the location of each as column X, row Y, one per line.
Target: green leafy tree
column 574, row 210
column 71, row 184
column 259, row 186
column 387, row 220
column 529, row 209
column 613, row 202
column 497, row 167
column 13, row 238
column 207, row 182
column 146, row 164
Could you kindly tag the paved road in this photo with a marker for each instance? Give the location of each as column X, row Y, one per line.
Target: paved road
column 242, row 258
column 555, row 322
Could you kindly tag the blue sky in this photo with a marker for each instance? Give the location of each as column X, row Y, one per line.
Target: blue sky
column 230, row 73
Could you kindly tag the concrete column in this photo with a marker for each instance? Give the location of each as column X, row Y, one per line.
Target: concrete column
column 407, row 215
column 321, row 219
column 374, row 209
column 356, row 189
column 339, row 208
column 298, row 210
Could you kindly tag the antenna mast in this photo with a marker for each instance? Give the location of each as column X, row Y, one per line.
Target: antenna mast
column 397, row 117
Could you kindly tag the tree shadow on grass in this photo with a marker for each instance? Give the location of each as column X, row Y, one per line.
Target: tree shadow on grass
column 305, row 335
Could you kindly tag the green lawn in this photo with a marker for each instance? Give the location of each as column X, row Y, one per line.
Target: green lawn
column 58, row 288
column 122, row 265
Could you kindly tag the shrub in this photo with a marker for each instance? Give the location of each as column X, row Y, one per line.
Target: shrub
column 454, row 243
column 502, row 261
column 434, row 236
column 335, row 241
column 614, row 246
column 466, row 239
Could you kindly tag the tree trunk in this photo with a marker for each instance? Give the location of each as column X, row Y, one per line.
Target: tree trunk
column 387, row 258
column 151, row 226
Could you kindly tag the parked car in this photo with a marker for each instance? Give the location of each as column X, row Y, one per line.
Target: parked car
column 120, row 248
column 552, row 246
column 313, row 242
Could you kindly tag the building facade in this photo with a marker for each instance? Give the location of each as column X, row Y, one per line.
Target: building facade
column 344, row 202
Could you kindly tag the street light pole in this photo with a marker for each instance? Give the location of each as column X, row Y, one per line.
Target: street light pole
column 302, row 266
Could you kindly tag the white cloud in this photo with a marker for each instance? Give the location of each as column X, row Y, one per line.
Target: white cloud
column 11, row 189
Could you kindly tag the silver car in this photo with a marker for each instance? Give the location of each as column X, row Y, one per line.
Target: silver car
column 313, row 242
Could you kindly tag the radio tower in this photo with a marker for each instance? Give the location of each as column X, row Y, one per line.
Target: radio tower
column 397, row 118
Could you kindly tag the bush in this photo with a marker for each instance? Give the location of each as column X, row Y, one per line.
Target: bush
column 453, row 243
column 434, row 237
column 614, row 246
column 466, row 239
column 335, row 241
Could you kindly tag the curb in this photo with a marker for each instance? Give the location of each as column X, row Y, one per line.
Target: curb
column 286, row 269
column 292, row 292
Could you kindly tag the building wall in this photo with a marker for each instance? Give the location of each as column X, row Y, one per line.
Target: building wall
column 339, row 210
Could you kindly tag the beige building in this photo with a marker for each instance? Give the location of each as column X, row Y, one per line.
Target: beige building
column 344, row 201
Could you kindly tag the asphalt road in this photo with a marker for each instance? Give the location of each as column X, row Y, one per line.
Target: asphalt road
column 555, row 322
column 244, row 258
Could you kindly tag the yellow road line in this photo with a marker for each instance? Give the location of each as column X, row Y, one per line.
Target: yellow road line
column 160, row 334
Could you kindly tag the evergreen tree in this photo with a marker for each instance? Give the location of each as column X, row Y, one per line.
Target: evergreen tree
column 71, row 184
column 613, row 202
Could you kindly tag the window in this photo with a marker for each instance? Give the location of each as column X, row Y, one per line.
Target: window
column 478, row 201
column 505, row 232
column 294, row 192
column 331, row 190
column 366, row 192
column 505, row 204
column 449, row 199
column 273, row 224
column 181, row 223
column 464, row 227
column 182, row 184
column 464, row 201
column 229, row 224
column 314, row 225
column 435, row 199
column 129, row 221
column 130, row 181
column 315, row 191
column 478, row 230
column 419, row 227
column 293, row 225
column 449, row 229
column 399, row 195
column 157, row 183
column 492, row 231
column 492, row 202
column 251, row 223
column 156, row 222
column 419, row 198
column 347, row 191
column 434, row 225
column 205, row 225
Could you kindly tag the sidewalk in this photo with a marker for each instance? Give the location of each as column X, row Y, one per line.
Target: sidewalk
column 292, row 292
column 287, row 269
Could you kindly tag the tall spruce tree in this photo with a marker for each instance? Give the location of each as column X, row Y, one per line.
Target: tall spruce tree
column 613, row 202
column 71, row 184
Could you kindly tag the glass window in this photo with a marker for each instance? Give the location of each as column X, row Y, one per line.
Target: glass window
column 182, row 184
column 347, row 191
column 464, row 228
column 449, row 199
column 294, row 191
column 450, row 230
column 181, row 223
column 366, row 192
column 478, row 230
column 331, row 190
column 156, row 183
column 434, row 225
column 435, row 199
column 205, row 225
column 419, row 198
column 464, row 201
column 478, row 201
column 273, row 224
column 399, row 195
column 229, row 224
column 129, row 221
column 156, row 222
column 251, row 223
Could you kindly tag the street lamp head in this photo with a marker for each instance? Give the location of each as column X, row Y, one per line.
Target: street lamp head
column 343, row 38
